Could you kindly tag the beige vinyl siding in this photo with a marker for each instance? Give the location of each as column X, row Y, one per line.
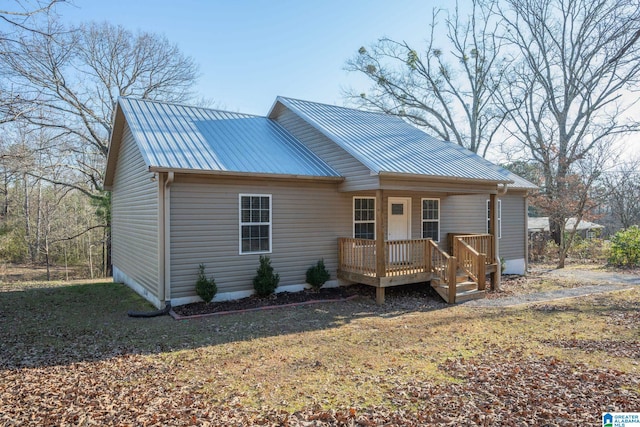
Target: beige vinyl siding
column 357, row 176
column 513, row 242
column 307, row 219
column 465, row 214
column 134, row 230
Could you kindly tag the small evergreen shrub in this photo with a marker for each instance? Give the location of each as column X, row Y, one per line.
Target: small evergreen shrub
column 205, row 288
column 317, row 275
column 625, row 248
column 266, row 281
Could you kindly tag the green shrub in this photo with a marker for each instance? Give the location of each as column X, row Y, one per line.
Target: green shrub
column 265, row 282
column 588, row 250
column 317, row 275
column 625, row 248
column 205, row 288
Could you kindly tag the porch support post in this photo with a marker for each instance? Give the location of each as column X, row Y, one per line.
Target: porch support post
column 380, row 255
column 493, row 230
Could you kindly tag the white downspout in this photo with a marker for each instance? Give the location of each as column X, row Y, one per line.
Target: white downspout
column 167, row 236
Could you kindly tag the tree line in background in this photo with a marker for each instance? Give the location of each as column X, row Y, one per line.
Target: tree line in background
column 552, row 84
column 57, row 98
column 548, row 84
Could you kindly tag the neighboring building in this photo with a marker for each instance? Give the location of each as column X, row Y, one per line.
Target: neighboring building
column 585, row 229
column 364, row 191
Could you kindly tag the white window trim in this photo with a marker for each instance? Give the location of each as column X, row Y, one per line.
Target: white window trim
column 353, row 216
column 422, row 220
column 270, row 224
column 499, row 217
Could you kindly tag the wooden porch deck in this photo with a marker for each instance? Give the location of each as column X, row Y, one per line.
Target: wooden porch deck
column 456, row 278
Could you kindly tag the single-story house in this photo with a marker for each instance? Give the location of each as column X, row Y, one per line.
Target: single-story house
column 382, row 202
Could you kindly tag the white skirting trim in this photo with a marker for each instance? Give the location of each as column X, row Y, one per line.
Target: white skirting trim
column 227, row 296
column 121, row 277
column 515, row 266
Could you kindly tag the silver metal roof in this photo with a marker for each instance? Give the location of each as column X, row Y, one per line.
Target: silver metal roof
column 178, row 137
column 542, row 224
column 386, row 143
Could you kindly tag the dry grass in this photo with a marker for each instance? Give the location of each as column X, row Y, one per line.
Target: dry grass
column 342, row 355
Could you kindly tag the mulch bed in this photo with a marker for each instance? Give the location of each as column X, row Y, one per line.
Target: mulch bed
column 307, row 296
column 254, row 302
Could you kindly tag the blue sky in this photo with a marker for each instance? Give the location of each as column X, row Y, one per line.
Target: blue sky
column 251, row 51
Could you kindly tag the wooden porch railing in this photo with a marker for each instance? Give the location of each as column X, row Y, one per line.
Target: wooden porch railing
column 482, row 243
column 403, row 257
column 357, row 255
column 444, row 266
column 471, row 262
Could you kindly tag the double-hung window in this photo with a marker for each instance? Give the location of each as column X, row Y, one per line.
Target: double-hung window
column 364, row 218
column 255, row 223
column 499, row 225
column 431, row 219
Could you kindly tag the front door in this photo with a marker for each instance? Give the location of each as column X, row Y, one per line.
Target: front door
column 399, row 226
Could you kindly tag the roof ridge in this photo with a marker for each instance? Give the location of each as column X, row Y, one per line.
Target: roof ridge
column 184, row 105
column 338, row 106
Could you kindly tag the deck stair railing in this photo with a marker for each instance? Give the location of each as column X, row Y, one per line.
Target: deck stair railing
column 481, row 243
column 444, row 267
column 471, row 262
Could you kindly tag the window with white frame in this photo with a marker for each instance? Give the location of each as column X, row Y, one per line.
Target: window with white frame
column 499, row 227
column 431, row 219
column 255, row 223
column 364, row 217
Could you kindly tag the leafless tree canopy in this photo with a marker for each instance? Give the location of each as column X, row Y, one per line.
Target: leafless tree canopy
column 622, row 188
column 573, row 61
column 448, row 89
column 64, row 84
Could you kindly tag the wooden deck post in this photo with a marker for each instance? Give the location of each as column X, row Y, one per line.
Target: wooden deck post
column 451, row 278
column 380, row 255
column 379, row 295
column 482, row 272
column 493, row 230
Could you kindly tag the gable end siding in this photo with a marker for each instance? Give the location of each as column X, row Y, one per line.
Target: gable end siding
column 357, row 176
column 134, row 229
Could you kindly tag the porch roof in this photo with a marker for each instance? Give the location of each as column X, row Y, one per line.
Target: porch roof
column 388, row 144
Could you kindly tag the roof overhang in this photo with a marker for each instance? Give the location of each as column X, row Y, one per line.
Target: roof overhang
column 444, row 179
column 114, row 146
column 331, row 179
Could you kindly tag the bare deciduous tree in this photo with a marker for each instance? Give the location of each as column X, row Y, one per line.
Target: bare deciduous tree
column 449, row 88
column 574, row 61
column 69, row 84
column 16, row 18
column 622, row 188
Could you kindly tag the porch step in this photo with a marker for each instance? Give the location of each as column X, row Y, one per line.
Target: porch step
column 462, row 277
column 470, row 295
column 466, row 286
column 465, row 291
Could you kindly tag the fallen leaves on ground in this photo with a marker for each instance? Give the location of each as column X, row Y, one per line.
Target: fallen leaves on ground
column 502, row 387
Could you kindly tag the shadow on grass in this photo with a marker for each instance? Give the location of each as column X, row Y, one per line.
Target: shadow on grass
column 44, row 326
column 67, row 324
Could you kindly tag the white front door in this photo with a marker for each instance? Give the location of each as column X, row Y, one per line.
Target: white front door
column 399, row 224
